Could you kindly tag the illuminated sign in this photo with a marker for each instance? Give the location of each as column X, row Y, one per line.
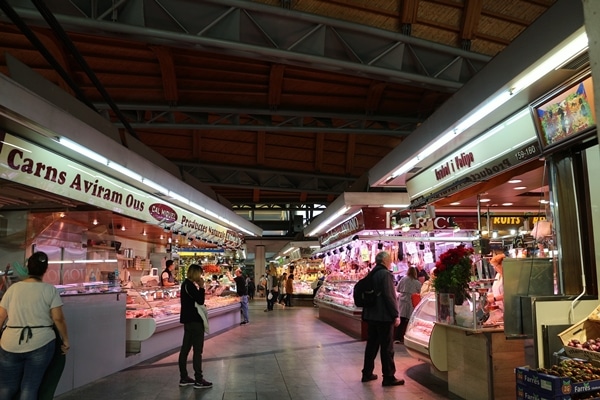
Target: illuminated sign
column 34, row 166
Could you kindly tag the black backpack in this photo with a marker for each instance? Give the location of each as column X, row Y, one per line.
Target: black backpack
column 364, row 291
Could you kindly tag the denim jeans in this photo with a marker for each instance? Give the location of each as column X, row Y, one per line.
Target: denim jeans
column 24, row 371
column 244, row 307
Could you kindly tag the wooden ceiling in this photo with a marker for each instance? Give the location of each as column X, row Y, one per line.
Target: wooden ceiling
column 262, row 109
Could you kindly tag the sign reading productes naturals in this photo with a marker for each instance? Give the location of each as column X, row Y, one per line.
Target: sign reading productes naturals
column 34, row 166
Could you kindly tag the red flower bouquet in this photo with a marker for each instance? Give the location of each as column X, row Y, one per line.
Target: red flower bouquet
column 453, row 272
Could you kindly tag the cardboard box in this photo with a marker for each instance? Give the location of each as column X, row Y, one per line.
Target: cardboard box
column 526, row 393
column 550, row 385
column 582, row 331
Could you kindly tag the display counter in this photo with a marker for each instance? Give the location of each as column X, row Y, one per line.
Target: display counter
column 482, row 357
column 303, row 294
column 117, row 330
column 336, row 307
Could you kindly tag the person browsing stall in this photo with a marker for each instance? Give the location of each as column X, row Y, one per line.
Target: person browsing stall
column 192, row 292
column 30, row 308
column 242, row 292
column 381, row 320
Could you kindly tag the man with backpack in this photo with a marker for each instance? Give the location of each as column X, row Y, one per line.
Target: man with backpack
column 381, row 318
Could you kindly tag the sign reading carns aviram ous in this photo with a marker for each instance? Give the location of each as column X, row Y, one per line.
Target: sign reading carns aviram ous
column 28, row 164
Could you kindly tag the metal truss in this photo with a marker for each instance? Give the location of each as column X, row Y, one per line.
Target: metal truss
column 162, row 117
column 254, row 178
column 252, row 30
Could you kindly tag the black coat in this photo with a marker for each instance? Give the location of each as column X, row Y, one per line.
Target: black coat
column 190, row 294
column 386, row 309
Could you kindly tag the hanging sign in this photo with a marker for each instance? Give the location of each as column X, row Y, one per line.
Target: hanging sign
column 34, row 166
column 507, row 145
column 349, row 227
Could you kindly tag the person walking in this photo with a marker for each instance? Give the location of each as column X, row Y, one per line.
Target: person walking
column 381, row 320
column 407, row 286
column 289, row 290
column 271, row 289
column 251, row 288
column 242, row 292
column 192, row 293
column 30, row 309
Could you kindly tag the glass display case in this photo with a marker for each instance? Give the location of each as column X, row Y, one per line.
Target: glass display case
column 338, row 293
column 88, row 288
column 420, row 325
column 336, row 307
column 302, row 287
column 163, row 305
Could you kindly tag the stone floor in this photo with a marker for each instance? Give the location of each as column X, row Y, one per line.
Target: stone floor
column 284, row 354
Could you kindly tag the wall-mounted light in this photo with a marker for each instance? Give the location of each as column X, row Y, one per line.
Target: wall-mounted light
column 95, row 222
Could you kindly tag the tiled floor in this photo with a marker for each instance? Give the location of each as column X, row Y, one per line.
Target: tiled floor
column 283, row 354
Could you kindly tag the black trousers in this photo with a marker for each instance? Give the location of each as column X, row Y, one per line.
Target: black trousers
column 271, row 302
column 193, row 339
column 380, row 336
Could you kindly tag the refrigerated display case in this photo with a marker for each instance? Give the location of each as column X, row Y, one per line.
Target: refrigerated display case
column 420, row 340
column 336, row 307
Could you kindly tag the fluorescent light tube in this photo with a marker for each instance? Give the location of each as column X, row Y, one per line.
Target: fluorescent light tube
column 68, row 143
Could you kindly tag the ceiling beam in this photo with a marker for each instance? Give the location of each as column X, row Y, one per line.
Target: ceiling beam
column 275, row 85
column 265, row 179
column 351, row 148
column 162, row 116
column 471, row 17
column 319, row 150
column 271, row 34
column 167, row 72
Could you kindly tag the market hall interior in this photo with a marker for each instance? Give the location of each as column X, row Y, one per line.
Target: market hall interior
column 285, row 354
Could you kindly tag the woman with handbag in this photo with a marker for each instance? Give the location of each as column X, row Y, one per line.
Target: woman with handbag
column 31, row 310
column 192, row 293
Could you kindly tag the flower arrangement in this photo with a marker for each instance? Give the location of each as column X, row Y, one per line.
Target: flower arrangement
column 453, row 272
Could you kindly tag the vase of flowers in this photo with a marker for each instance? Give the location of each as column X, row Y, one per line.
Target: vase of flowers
column 453, row 272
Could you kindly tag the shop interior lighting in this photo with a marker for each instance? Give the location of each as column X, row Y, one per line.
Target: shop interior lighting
column 568, row 51
column 494, row 234
column 110, row 260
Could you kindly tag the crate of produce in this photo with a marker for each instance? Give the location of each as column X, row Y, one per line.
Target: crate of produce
column 527, row 393
column 552, row 386
column 582, row 340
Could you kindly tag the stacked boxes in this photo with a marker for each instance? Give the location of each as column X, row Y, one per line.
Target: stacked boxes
column 535, row 385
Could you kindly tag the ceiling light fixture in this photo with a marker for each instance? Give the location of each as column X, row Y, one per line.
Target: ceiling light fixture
column 95, row 222
column 520, row 187
column 515, row 181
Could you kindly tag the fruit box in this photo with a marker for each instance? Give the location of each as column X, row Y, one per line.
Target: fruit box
column 582, row 331
column 550, row 385
column 527, row 393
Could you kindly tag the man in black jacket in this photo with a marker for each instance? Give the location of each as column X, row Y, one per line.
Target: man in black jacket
column 381, row 320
